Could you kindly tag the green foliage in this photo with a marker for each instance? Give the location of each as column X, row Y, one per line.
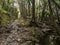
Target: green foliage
column 2, row 10
column 4, row 19
column 8, row 11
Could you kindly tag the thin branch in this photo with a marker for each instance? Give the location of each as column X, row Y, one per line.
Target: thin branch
column 56, row 4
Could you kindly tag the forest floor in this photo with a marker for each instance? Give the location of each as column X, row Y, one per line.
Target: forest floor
column 12, row 34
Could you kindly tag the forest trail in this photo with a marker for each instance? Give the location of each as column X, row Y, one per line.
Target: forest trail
column 15, row 36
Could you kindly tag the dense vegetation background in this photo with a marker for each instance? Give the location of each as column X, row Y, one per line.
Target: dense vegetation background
column 40, row 17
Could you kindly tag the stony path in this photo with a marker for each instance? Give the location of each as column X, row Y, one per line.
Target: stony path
column 15, row 37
